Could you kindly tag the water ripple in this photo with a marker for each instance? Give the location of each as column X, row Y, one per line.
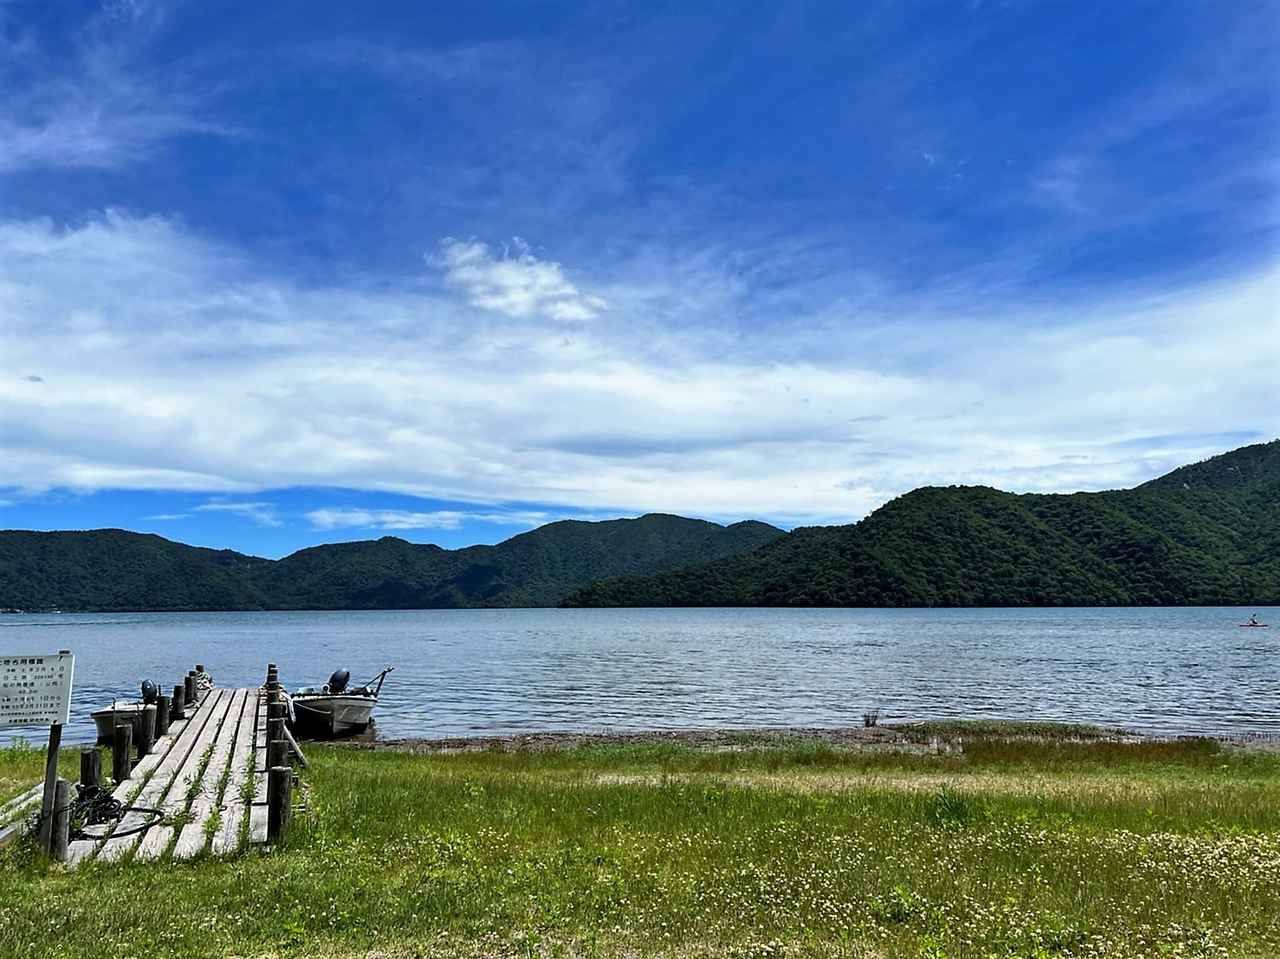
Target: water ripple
column 464, row 672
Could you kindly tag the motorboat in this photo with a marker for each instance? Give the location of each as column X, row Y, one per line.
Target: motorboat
column 123, row 711
column 336, row 708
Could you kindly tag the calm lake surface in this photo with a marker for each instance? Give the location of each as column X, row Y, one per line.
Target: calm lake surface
column 475, row 672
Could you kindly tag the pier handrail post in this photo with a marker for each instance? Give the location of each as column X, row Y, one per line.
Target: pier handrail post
column 162, row 716
column 121, row 747
column 60, row 826
column 90, row 767
column 279, row 801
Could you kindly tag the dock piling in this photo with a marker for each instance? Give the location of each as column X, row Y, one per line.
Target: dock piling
column 90, row 767
column 279, row 801
column 178, row 705
column 121, row 747
column 60, row 834
column 189, row 688
column 146, row 730
column 163, row 710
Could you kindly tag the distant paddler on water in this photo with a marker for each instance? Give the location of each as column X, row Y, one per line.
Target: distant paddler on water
column 1253, row 622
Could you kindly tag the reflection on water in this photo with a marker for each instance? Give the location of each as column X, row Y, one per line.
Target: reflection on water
column 465, row 672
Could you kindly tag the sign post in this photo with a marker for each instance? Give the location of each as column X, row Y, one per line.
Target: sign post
column 35, row 690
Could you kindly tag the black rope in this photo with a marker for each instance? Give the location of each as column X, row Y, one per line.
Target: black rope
column 94, row 806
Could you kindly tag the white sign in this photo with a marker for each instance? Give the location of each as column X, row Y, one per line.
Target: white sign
column 35, row 689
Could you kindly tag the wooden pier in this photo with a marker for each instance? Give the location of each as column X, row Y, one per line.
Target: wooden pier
column 206, row 776
column 212, row 775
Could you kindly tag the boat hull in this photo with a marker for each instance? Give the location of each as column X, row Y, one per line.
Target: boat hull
column 332, row 715
column 105, row 720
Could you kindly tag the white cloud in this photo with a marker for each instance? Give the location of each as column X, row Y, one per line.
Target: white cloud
column 264, row 514
column 515, row 283
column 170, row 363
column 166, row 517
column 346, row 518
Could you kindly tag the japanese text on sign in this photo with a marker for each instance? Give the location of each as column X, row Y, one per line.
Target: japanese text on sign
column 35, row 689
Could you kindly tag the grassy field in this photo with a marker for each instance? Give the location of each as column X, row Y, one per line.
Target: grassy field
column 1027, row 847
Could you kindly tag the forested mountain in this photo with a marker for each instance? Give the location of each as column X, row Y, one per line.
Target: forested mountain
column 119, row 570
column 1203, row 534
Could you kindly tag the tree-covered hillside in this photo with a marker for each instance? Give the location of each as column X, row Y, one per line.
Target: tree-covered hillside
column 119, row 570
column 1203, row 534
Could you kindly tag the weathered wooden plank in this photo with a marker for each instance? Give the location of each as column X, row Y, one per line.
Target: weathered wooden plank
column 19, row 803
column 258, row 809
column 260, row 754
column 192, row 838
column 124, row 792
column 14, row 815
column 258, row 824
column 167, row 785
column 227, row 838
column 172, row 798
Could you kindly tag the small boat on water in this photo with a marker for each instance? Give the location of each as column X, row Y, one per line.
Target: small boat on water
column 123, row 711
column 118, row 713
column 336, row 709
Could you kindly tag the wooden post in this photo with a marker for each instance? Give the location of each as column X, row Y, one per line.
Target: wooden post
column 277, row 753
column 162, row 716
column 178, row 705
column 121, row 746
column 90, row 767
column 279, row 801
column 275, row 736
column 146, row 730
column 50, row 786
column 60, row 836
column 189, row 688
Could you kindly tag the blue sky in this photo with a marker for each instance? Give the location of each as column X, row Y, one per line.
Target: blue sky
column 287, row 273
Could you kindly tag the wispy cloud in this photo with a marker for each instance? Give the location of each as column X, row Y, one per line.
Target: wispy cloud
column 388, row 519
column 262, row 513
column 100, row 105
column 166, row 517
column 514, row 282
column 171, row 364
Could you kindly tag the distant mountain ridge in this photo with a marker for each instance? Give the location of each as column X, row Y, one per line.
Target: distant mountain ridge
column 117, row 570
column 1204, row 534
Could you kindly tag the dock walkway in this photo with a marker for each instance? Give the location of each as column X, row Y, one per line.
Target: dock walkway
column 206, row 775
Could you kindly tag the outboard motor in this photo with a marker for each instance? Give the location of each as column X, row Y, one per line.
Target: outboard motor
column 149, row 692
column 338, row 681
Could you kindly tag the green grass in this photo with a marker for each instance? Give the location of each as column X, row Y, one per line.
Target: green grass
column 1009, row 848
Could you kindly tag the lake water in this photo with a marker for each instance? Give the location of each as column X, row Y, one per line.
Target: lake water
column 474, row 672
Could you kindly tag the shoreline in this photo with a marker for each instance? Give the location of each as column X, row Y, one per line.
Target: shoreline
column 933, row 736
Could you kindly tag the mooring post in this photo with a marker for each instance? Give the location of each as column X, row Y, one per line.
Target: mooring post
column 146, row 729
column 60, row 836
column 189, row 688
column 162, row 715
column 90, row 767
column 121, row 746
column 279, row 801
column 178, row 705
